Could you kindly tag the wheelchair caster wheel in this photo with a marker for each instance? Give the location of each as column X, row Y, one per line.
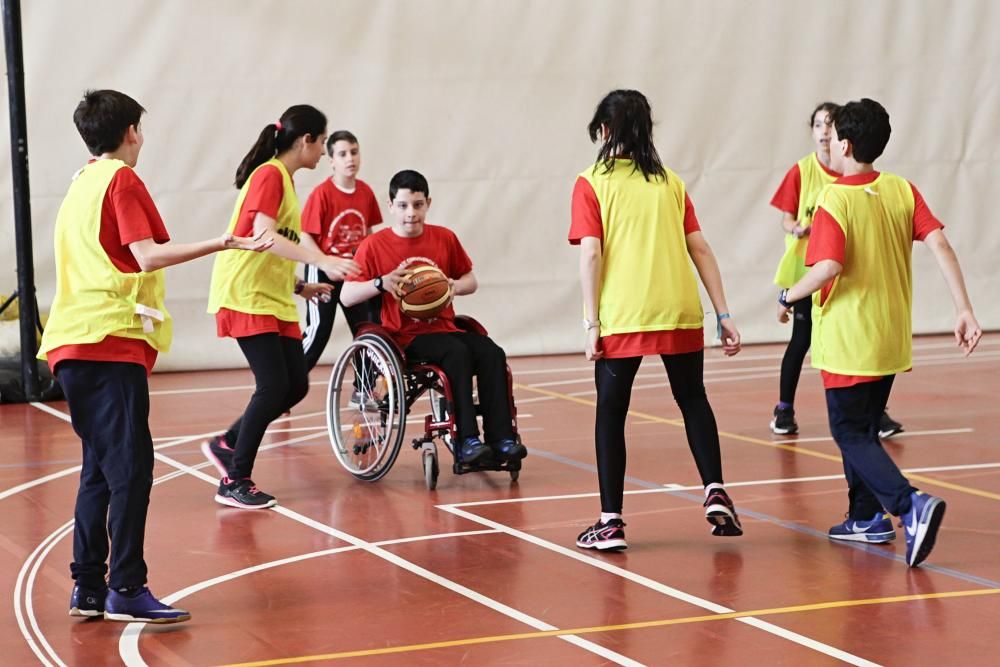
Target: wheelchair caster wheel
column 514, row 474
column 430, row 471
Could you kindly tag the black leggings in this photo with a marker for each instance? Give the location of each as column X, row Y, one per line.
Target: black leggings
column 795, row 354
column 614, row 379
column 279, row 369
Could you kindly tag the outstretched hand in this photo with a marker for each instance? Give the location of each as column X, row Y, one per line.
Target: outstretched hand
column 967, row 332
column 316, row 292
column 339, row 268
column 258, row 243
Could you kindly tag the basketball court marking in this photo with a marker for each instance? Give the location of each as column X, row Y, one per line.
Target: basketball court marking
column 819, row 606
column 756, row 441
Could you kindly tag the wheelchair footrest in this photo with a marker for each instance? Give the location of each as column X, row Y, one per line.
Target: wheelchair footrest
column 486, row 465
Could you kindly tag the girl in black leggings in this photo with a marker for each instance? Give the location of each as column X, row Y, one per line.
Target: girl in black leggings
column 638, row 236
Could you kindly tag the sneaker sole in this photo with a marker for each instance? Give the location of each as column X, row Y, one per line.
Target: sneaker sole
column 128, row 618
column 213, row 459
column 927, row 532
column 724, row 522
column 870, row 538
column 605, row 545
column 783, row 431
column 85, row 613
column 229, row 502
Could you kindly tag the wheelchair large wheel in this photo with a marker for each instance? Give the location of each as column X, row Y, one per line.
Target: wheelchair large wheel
column 366, row 408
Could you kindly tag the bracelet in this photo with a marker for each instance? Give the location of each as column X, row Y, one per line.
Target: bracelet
column 299, row 286
column 591, row 324
column 782, row 298
column 718, row 323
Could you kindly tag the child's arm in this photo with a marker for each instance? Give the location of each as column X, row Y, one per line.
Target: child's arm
column 591, row 262
column 792, row 226
column 355, row 292
column 152, row 256
column 467, row 284
column 708, row 268
column 335, row 267
column 967, row 330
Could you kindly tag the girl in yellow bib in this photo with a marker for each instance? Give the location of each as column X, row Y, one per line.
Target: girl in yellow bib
column 638, row 236
column 796, row 199
column 252, row 300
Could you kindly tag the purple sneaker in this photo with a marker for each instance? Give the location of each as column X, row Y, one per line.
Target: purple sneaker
column 142, row 608
column 88, row 602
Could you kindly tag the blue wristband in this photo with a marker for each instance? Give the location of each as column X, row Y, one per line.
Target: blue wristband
column 782, row 300
column 718, row 323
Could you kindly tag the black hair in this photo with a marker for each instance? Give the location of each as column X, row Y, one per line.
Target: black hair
column 865, row 124
column 410, row 180
column 629, row 121
column 828, row 107
column 103, row 117
column 339, row 135
column 301, row 120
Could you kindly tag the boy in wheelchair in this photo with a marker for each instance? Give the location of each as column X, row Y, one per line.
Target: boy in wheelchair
column 460, row 354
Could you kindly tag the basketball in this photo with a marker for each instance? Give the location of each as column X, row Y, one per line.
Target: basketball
column 425, row 292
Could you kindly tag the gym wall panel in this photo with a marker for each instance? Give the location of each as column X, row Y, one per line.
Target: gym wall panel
column 491, row 101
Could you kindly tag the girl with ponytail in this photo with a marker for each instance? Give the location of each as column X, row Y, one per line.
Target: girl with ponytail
column 252, row 301
column 638, row 235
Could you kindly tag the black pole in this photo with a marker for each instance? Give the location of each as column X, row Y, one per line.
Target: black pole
column 22, row 196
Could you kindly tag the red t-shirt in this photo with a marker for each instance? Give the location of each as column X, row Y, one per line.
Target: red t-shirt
column 827, row 241
column 586, row 221
column 786, row 198
column 267, row 189
column 128, row 214
column 383, row 251
column 339, row 220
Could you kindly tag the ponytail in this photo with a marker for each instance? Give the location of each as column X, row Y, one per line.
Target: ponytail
column 301, row 120
column 628, row 119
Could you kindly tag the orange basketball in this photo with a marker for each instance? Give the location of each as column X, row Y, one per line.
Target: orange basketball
column 425, row 292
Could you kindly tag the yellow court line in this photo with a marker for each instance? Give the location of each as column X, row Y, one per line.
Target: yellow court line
column 766, row 443
column 540, row 634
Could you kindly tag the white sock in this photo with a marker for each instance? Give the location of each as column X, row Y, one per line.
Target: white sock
column 608, row 516
column 713, row 485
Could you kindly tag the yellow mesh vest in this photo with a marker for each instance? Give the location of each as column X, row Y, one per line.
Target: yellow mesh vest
column 93, row 298
column 792, row 266
column 864, row 327
column 259, row 283
column 647, row 282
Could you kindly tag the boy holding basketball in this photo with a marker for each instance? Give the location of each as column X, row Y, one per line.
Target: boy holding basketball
column 860, row 252
column 383, row 258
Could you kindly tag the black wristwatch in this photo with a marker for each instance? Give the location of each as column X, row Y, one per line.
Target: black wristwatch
column 378, row 284
column 782, row 298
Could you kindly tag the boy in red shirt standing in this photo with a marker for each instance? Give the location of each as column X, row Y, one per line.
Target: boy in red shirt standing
column 860, row 252
column 338, row 215
column 460, row 354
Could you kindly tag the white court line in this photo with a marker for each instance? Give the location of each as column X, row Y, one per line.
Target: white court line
column 18, row 587
column 667, row 488
column 129, row 642
column 903, row 434
column 669, row 591
column 128, row 646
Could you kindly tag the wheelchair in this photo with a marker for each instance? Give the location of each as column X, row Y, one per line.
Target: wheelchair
column 373, row 389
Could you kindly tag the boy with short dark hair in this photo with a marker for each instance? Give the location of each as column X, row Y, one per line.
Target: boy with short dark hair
column 107, row 325
column 860, row 252
column 460, row 354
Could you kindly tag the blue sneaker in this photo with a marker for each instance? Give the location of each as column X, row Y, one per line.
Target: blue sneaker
column 87, row 602
column 509, row 449
column 142, row 608
column 472, row 450
column 877, row 530
column 921, row 524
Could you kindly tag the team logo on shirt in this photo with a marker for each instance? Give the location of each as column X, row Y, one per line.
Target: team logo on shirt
column 346, row 232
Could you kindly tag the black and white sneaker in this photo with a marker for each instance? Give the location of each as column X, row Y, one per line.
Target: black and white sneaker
column 784, row 421
column 721, row 513
column 888, row 427
column 244, row 494
column 608, row 536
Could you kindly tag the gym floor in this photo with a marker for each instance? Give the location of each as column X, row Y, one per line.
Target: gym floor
column 485, row 571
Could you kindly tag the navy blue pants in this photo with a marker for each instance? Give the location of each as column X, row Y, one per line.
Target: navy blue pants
column 109, row 407
column 873, row 479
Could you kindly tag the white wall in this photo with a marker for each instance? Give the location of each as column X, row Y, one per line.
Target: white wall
column 491, row 101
